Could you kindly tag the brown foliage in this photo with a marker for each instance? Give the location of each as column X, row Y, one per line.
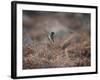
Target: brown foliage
column 45, row 55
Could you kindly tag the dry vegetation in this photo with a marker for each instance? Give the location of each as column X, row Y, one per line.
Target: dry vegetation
column 72, row 49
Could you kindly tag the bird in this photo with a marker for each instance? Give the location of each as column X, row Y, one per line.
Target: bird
column 51, row 37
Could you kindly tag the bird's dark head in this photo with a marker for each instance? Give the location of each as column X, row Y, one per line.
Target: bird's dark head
column 52, row 33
